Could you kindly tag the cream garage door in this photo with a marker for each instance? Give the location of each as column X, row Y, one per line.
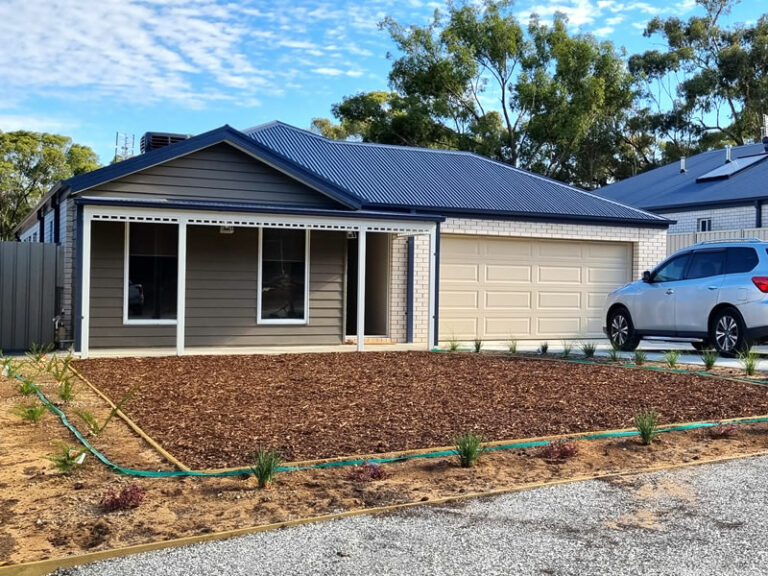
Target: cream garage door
column 499, row 288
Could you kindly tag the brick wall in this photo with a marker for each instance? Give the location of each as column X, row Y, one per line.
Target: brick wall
column 722, row 219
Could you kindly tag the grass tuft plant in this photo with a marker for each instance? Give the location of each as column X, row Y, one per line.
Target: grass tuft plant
column 512, row 346
column 588, row 349
column 647, row 423
column 543, row 348
column 453, row 344
column 68, row 458
column 614, row 354
column 29, row 413
column 26, row 387
column 478, row 342
column 567, row 347
column 709, row 357
column 671, row 357
column 264, row 466
column 468, row 448
column 640, row 357
column 748, row 361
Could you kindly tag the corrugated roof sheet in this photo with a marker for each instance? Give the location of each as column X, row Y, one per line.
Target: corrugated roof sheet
column 383, row 176
column 667, row 189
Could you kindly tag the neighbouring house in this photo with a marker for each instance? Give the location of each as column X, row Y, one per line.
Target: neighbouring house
column 713, row 195
column 277, row 236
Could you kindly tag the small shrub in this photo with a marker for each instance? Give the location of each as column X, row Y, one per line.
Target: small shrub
column 559, row 450
column 38, row 353
column 709, row 357
column 367, row 472
column 478, row 342
column 468, row 448
column 60, row 369
column 671, row 357
column 543, row 347
column 614, row 354
column 748, row 360
column 722, row 430
column 588, row 349
column 129, row 497
column 33, row 413
column 512, row 346
column 453, row 344
column 264, row 466
column 93, row 425
column 66, row 390
column 26, row 387
column 567, row 347
column 6, row 366
column 68, row 458
column 647, row 423
column 640, row 357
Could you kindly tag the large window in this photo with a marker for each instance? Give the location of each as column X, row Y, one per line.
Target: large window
column 151, row 273
column 672, row 270
column 283, row 270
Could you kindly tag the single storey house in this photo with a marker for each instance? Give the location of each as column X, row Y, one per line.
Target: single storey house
column 276, row 236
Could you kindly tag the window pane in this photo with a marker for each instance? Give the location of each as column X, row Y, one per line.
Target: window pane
column 705, row 264
column 741, row 260
column 152, row 271
column 283, row 271
column 672, row 270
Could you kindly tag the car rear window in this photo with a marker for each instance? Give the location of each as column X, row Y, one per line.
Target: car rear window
column 740, row 260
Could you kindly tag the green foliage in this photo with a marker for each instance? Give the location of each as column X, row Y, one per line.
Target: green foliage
column 709, row 357
column 647, row 423
column 66, row 390
column 478, row 343
column 512, row 346
column 93, row 425
column 567, row 347
column 29, row 412
column 90, row 420
column 748, row 361
column 68, row 458
column 543, row 348
column 30, row 164
column 264, row 465
column 26, row 387
column 588, row 349
column 453, row 344
column 614, row 354
column 671, row 357
column 468, row 448
column 640, row 357
column 38, row 354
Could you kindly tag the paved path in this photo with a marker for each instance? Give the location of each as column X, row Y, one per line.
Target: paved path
column 701, row 520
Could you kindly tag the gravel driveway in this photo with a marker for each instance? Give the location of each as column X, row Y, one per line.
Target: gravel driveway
column 701, row 520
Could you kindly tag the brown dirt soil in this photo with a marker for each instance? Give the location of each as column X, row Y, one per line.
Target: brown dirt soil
column 213, row 411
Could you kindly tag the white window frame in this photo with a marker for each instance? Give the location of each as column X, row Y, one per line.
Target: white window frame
column 278, row 321
column 701, row 221
column 126, row 288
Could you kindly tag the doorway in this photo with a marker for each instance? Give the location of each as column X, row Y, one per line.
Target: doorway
column 377, row 256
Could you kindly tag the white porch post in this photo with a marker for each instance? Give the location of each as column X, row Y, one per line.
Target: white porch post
column 85, row 292
column 181, row 287
column 432, row 287
column 361, row 288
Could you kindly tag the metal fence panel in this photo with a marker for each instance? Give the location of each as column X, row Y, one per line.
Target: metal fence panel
column 28, row 282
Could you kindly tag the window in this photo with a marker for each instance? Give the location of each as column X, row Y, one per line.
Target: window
column 706, row 263
column 672, row 270
column 704, row 225
column 151, row 272
column 741, row 260
column 283, row 272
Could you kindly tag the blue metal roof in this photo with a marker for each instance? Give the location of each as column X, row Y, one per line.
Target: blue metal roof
column 401, row 177
column 708, row 181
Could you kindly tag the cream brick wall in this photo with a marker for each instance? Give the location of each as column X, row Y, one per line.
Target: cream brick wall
column 649, row 247
column 722, row 219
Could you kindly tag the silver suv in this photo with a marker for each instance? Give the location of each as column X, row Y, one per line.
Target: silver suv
column 713, row 293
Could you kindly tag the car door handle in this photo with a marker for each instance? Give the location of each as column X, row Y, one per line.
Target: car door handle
column 711, row 287
column 670, row 291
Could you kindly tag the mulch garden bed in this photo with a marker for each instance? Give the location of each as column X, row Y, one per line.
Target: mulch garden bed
column 214, row 411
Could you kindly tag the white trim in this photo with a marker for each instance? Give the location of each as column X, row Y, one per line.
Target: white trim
column 361, row 249
column 126, row 288
column 181, row 287
column 283, row 321
column 432, row 288
column 85, row 293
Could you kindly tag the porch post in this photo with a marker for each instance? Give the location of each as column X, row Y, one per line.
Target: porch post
column 181, row 287
column 361, row 288
column 85, row 291
column 431, row 328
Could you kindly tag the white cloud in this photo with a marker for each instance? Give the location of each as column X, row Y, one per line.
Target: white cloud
column 35, row 123
column 603, row 31
column 327, row 71
column 614, row 20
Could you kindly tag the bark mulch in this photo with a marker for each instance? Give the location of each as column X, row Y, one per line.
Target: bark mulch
column 214, row 411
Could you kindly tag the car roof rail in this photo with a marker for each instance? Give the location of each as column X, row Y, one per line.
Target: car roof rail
column 731, row 241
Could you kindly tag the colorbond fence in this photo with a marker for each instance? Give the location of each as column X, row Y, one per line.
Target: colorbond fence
column 676, row 242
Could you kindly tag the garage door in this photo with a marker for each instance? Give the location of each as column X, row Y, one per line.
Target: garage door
column 501, row 288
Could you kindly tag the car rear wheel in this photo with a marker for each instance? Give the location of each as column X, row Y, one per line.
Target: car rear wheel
column 728, row 333
column 621, row 331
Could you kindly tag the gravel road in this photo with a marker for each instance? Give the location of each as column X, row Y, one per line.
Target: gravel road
column 702, row 520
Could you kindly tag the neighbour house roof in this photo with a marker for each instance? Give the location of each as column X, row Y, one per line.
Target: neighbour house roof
column 377, row 178
column 708, row 181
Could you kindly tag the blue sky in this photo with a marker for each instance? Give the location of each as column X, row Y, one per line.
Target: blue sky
column 89, row 69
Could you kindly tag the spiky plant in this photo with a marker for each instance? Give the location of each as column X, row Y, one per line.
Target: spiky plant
column 647, row 423
column 468, row 448
column 588, row 349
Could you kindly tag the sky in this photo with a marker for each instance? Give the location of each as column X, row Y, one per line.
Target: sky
column 90, row 69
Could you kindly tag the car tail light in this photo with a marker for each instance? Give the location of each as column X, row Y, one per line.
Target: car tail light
column 761, row 282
